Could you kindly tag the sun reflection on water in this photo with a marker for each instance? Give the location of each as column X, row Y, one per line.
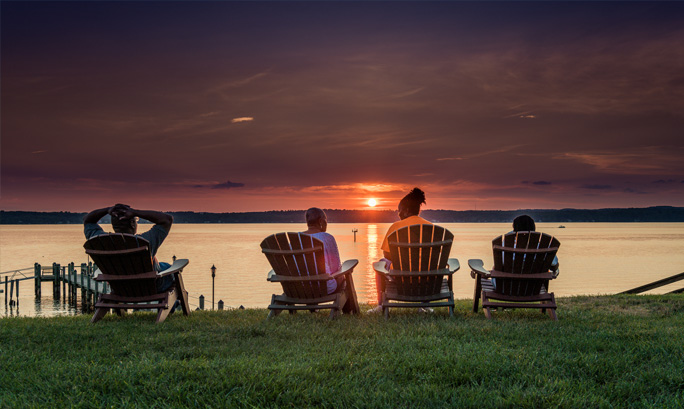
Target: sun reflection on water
column 373, row 256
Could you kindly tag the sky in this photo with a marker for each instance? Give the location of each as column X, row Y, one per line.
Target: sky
column 254, row 106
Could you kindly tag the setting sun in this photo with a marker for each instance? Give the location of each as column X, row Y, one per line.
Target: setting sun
column 372, row 202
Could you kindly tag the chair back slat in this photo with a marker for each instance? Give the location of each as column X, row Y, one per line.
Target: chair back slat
column 299, row 255
column 111, row 262
column 428, row 251
column 526, row 254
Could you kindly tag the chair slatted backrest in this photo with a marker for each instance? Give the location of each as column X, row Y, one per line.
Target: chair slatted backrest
column 297, row 255
column 118, row 254
column 420, row 247
column 524, row 253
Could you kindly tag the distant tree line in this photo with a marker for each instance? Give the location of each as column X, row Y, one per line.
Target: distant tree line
column 648, row 214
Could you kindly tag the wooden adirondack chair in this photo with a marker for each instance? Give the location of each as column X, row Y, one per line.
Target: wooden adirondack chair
column 420, row 261
column 126, row 264
column 522, row 270
column 298, row 263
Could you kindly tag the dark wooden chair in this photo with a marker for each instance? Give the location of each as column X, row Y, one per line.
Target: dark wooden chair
column 298, row 263
column 420, row 261
column 126, row 264
column 522, row 270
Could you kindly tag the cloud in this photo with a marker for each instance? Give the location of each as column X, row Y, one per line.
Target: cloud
column 597, row 187
column 663, row 181
column 227, row 185
column 541, row 183
column 455, row 158
column 34, row 152
column 241, row 119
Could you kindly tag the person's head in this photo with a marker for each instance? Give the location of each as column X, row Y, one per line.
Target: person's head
column 524, row 223
column 410, row 204
column 123, row 224
column 316, row 218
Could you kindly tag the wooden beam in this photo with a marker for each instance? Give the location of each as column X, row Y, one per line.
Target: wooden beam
column 655, row 284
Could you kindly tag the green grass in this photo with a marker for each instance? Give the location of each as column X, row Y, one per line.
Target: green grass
column 612, row 351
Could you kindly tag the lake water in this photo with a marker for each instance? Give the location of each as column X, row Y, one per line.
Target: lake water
column 595, row 258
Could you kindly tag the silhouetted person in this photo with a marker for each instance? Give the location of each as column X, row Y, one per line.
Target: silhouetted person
column 317, row 223
column 409, row 210
column 524, row 223
column 125, row 220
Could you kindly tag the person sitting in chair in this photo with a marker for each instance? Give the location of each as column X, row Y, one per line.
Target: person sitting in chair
column 526, row 223
column 317, row 223
column 125, row 220
column 409, row 210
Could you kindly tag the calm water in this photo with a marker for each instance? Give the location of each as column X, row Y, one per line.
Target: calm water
column 595, row 258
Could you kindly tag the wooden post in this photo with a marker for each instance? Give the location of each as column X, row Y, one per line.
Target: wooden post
column 70, row 287
column 201, row 302
column 5, row 291
column 55, row 283
column 220, row 304
column 84, row 268
column 63, row 278
column 37, row 270
column 11, row 302
column 83, row 294
column 89, row 294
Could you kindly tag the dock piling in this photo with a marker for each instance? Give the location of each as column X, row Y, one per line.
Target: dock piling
column 220, row 304
column 201, row 302
column 55, row 283
column 37, row 270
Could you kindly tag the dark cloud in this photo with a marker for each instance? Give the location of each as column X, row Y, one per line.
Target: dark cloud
column 633, row 191
column 663, row 181
column 541, row 183
column 227, row 185
column 597, row 187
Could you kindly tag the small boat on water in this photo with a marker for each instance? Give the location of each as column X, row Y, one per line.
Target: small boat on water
column 561, row 227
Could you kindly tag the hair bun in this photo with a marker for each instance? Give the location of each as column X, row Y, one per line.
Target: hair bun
column 417, row 195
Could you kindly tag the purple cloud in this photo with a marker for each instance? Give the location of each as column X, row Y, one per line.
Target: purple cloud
column 596, row 187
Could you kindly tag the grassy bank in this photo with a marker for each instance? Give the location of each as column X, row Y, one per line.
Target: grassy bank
column 616, row 351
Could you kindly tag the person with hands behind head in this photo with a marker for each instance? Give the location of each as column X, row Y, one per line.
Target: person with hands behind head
column 125, row 220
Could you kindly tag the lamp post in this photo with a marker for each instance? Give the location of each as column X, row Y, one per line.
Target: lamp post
column 213, row 276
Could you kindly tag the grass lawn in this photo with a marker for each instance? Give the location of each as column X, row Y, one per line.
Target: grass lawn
column 604, row 352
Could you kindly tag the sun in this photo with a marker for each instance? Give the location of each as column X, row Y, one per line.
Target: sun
column 372, row 202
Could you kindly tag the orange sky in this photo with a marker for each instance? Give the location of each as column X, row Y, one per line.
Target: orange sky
column 249, row 106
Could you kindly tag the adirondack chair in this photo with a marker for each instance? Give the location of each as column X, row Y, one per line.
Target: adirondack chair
column 521, row 273
column 298, row 263
column 126, row 264
column 420, row 261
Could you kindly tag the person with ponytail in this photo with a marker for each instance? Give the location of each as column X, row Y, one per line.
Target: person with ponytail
column 409, row 210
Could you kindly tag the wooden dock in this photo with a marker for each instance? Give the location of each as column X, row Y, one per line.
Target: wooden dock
column 71, row 284
column 68, row 281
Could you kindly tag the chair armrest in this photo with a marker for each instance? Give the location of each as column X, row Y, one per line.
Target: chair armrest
column 477, row 268
column 454, row 265
column 176, row 267
column 555, row 267
column 347, row 268
column 270, row 275
column 380, row 267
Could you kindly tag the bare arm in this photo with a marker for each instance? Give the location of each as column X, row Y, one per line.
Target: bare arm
column 96, row 215
column 161, row 219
